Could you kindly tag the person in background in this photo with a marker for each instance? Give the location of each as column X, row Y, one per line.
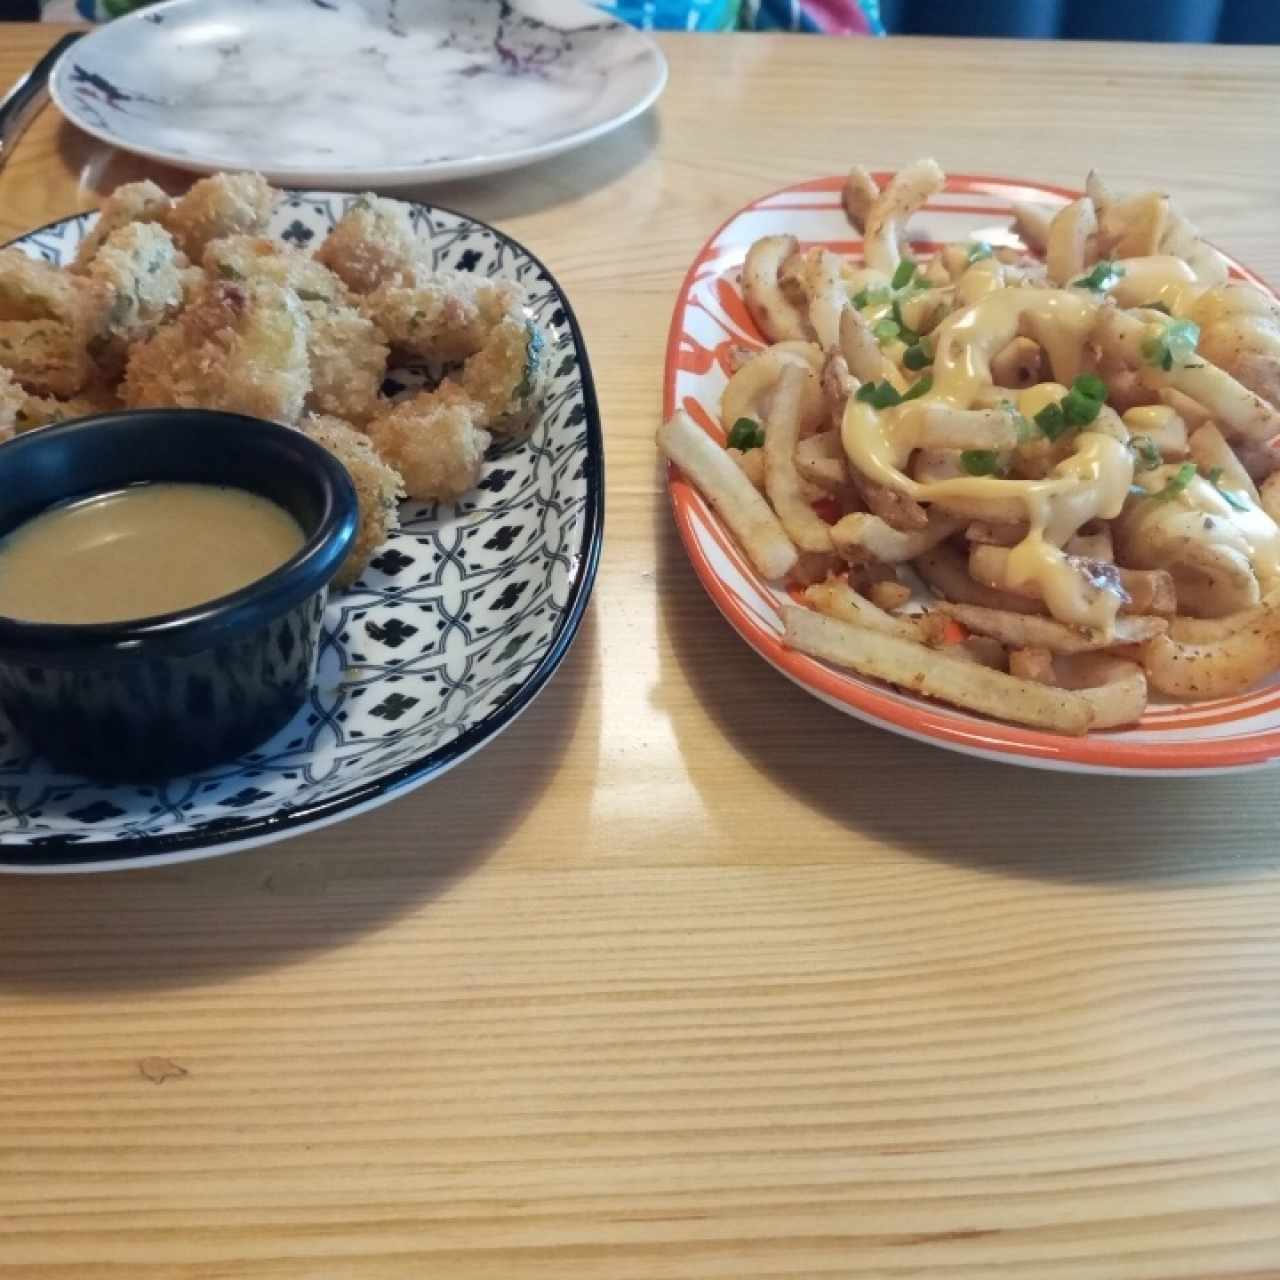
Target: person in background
column 831, row 17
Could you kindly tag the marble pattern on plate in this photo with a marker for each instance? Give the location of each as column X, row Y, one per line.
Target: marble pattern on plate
column 362, row 83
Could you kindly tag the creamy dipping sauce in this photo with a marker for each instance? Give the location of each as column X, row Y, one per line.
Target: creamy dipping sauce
column 138, row 552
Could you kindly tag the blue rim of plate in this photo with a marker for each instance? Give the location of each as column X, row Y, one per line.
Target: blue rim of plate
column 270, row 829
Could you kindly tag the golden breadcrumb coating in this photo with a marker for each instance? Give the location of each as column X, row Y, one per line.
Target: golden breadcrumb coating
column 372, row 244
column 505, row 378
column 348, row 359
column 239, row 347
column 225, row 204
column 442, row 315
column 133, row 202
column 433, row 441
column 12, row 400
column 347, row 353
column 379, row 489
column 142, row 269
column 240, row 258
column 50, row 322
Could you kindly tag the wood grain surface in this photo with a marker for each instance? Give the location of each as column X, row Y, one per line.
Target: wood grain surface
column 687, row 975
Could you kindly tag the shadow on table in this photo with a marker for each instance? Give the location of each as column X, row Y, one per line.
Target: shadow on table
column 547, row 184
column 953, row 808
column 206, row 922
column 531, row 189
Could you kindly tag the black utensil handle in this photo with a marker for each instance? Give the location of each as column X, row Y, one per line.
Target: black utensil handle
column 22, row 103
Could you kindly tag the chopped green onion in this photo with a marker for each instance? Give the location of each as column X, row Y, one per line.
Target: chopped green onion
column 1177, row 342
column 1078, row 409
column 1177, row 483
column 907, row 333
column 880, row 395
column 904, row 275
column 922, row 386
column 1052, row 421
column 886, row 330
column 917, row 357
column 870, row 297
column 980, row 462
column 978, row 250
column 1101, row 278
column 1089, row 384
column 1232, row 498
column 746, row 434
column 1149, row 456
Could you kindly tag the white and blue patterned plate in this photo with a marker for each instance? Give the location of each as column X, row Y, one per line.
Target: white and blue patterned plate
column 369, row 93
column 456, row 625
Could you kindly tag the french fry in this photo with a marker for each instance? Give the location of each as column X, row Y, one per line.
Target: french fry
column 1097, row 545
column 947, row 572
column 1032, row 631
column 887, row 218
column 837, row 599
column 715, row 475
column 1141, row 590
column 782, row 481
column 921, row 670
column 1218, row 669
column 994, row 534
column 1210, row 451
column 1210, row 630
column 859, row 194
column 749, row 392
column 1032, row 223
column 866, row 537
column 776, row 316
column 1032, row 664
column 941, row 426
column 1070, row 233
column 889, row 595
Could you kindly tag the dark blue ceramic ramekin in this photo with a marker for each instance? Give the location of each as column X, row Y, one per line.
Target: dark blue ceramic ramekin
column 138, row 701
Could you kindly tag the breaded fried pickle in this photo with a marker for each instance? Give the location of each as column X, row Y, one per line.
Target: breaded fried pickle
column 240, row 347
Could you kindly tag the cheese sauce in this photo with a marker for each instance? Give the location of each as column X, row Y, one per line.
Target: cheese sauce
column 1155, row 531
column 1092, row 483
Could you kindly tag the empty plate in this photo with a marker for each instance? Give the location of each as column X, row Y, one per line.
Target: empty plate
column 357, row 92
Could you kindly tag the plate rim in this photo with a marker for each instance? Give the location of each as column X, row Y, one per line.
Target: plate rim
column 389, row 175
column 926, row 721
column 136, row 852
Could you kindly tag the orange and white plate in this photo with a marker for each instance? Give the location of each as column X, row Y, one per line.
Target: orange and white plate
column 711, row 317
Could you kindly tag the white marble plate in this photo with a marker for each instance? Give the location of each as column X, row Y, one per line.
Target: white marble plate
column 358, row 92
column 446, row 637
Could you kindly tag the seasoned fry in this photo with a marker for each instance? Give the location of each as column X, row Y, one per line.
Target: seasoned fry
column 839, row 600
column 1093, row 424
column 947, row 572
column 866, row 537
column 1030, row 631
column 782, row 481
column 1217, row 669
column 776, row 316
column 747, row 514
column 926, row 671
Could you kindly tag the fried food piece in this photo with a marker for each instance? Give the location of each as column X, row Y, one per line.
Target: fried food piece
column 346, row 351
column 434, row 442
column 348, row 359
column 12, row 401
column 44, row 356
column 142, row 269
column 245, row 257
column 50, row 322
column 224, row 204
column 133, row 202
column 507, row 376
column 379, row 488
column 238, row 347
column 372, row 244
column 442, row 315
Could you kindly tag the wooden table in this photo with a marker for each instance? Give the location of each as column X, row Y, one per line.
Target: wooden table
column 688, row 975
